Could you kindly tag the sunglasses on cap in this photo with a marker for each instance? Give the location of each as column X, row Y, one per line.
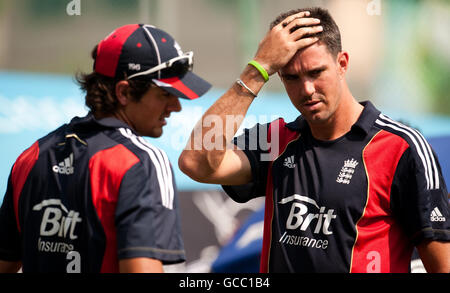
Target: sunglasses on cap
column 174, row 67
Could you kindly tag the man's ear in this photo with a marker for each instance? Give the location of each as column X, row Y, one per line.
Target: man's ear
column 122, row 92
column 342, row 61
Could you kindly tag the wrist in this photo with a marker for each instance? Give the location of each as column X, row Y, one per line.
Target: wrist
column 267, row 66
column 252, row 75
column 252, row 78
column 244, row 86
column 260, row 69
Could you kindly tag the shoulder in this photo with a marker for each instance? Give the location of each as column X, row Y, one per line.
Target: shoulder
column 31, row 154
column 278, row 127
column 415, row 140
column 262, row 134
column 148, row 154
column 418, row 149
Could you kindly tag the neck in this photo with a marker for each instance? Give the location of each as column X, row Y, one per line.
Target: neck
column 121, row 115
column 340, row 122
column 118, row 114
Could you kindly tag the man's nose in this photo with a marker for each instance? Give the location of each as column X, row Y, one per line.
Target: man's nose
column 174, row 104
column 308, row 87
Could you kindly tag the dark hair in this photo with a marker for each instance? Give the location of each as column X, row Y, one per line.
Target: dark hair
column 101, row 90
column 330, row 35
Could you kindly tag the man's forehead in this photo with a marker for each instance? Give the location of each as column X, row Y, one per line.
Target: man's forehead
column 314, row 56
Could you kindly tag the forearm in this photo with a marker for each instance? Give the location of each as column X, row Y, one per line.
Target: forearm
column 206, row 157
column 213, row 133
column 140, row 265
column 9, row 267
column 435, row 256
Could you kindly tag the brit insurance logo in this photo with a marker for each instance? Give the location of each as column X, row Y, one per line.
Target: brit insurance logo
column 58, row 230
column 347, row 171
column 58, row 221
column 305, row 214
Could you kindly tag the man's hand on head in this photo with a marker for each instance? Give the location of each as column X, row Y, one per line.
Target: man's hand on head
column 284, row 40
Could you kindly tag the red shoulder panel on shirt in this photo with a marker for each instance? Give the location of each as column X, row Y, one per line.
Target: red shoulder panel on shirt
column 279, row 137
column 21, row 169
column 372, row 252
column 107, row 169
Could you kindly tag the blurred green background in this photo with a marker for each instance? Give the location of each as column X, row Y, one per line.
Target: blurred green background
column 399, row 50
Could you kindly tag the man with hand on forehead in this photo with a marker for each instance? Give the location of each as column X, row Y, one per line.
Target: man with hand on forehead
column 347, row 188
column 94, row 195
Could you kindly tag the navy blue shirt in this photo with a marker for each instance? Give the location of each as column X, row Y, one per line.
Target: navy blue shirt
column 86, row 195
column 355, row 204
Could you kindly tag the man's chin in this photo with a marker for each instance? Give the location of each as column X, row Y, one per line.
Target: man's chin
column 158, row 134
column 312, row 116
column 155, row 133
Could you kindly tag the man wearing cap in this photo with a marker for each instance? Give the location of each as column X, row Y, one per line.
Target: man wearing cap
column 93, row 195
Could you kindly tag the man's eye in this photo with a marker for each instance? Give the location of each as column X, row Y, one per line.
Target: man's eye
column 290, row 77
column 165, row 93
column 316, row 72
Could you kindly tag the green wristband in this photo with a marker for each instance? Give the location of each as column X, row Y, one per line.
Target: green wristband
column 261, row 69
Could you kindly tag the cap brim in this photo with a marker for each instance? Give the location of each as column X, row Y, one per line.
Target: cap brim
column 190, row 86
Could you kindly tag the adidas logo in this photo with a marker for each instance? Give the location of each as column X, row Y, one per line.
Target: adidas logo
column 289, row 162
column 436, row 216
column 65, row 167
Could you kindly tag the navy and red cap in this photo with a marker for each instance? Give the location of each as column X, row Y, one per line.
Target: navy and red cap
column 135, row 48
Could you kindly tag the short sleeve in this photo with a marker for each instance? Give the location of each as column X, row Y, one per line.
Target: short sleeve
column 147, row 216
column 10, row 243
column 254, row 143
column 420, row 199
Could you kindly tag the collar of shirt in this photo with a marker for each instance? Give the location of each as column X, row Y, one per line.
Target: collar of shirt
column 364, row 123
column 88, row 123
